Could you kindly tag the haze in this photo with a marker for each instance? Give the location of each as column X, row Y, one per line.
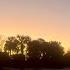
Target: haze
column 48, row 19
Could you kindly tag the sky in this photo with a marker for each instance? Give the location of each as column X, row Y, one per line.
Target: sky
column 47, row 19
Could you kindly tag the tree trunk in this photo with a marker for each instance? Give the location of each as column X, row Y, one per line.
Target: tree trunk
column 10, row 52
column 17, row 51
column 22, row 49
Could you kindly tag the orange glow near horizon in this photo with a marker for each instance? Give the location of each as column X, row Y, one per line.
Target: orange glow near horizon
column 45, row 19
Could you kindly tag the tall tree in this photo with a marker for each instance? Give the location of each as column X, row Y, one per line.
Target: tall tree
column 34, row 49
column 11, row 44
column 55, row 51
column 23, row 41
column 37, row 48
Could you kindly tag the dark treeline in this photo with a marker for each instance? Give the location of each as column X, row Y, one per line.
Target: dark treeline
column 22, row 51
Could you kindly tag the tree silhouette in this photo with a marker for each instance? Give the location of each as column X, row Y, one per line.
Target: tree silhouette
column 11, row 44
column 37, row 48
column 23, row 41
column 55, row 53
column 67, row 58
column 38, row 52
column 55, row 49
column 34, row 49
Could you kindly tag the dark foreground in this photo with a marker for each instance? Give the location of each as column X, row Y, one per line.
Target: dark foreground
column 6, row 68
column 18, row 62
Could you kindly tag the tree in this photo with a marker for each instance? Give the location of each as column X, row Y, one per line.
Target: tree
column 11, row 44
column 23, row 41
column 55, row 49
column 37, row 48
column 55, row 53
column 41, row 40
column 67, row 58
column 34, row 49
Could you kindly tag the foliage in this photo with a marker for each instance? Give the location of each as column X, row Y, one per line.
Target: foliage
column 39, row 53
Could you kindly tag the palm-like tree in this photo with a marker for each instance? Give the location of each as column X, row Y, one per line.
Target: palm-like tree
column 23, row 42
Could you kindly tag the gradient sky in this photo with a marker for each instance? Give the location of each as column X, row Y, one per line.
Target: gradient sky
column 48, row 19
